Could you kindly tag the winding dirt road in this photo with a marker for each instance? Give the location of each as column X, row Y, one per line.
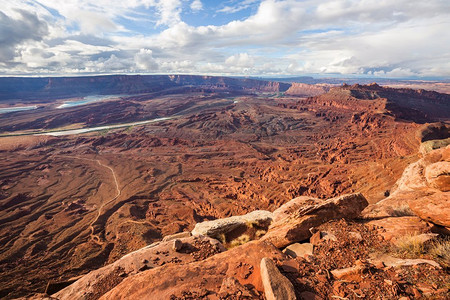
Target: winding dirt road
column 93, row 235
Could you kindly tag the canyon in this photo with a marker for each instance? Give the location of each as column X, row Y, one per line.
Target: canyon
column 218, row 147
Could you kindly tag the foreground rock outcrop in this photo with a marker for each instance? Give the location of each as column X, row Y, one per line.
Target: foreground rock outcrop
column 423, row 190
column 295, row 226
column 199, row 279
column 98, row 282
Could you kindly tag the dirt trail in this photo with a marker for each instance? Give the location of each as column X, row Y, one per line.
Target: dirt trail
column 93, row 235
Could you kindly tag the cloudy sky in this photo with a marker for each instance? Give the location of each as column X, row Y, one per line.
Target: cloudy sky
column 386, row 38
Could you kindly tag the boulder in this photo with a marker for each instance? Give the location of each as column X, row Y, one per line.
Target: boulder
column 434, row 208
column 438, row 175
column 295, row 227
column 177, row 245
column 198, row 279
column 299, row 250
column 422, row 190
column 97, row 282
column 294, row 205
column 276, row 286
column 218, row 227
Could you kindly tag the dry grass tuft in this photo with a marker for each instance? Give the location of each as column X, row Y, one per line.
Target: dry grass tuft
column 243, row 239
column 260, row 233
column 401, row 211
column 440, row 250
column 410, row 245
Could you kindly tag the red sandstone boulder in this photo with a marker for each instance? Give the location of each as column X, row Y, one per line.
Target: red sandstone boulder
column 434, row 208
column 294, row 205
column 295, row 227
column 438, row 175
column 423, row 190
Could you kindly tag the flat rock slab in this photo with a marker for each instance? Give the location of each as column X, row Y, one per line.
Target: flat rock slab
column 276, row 286
column 223, row 226
column 391, row 261
column 295, row 227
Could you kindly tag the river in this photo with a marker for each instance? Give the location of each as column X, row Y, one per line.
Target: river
column 84, row 130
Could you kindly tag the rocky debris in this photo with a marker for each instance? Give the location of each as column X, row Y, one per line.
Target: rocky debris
column 231, row 288
column 360, row 277
column 198, row 279
column 176, row 236
column 391, row 261
column 38, row 296
column 295, row 227
column 98, row 282
column 299, row 250
column 276, row 286
column 223, row 226
column 322, row 235
column 394, row 227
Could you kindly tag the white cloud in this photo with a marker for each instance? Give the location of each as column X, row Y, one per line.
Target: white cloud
column 169, row 12
column 144, row 61
column 383, row 37
column 196, row 5
column 242, row 60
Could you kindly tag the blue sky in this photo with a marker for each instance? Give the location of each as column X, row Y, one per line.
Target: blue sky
column 402, row 38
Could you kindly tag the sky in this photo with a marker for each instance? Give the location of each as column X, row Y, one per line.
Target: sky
column 374, row 38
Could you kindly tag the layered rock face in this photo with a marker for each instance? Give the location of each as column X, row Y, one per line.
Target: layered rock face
column 416, row 105
column 32, row 89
